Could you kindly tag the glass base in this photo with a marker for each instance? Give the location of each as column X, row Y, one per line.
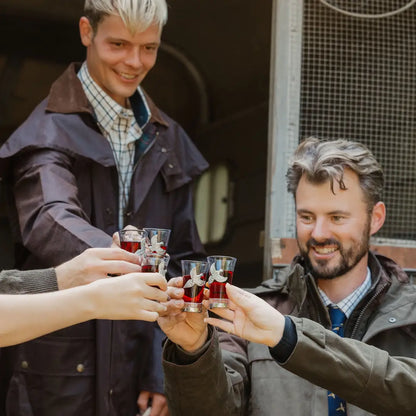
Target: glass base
column 192, row 307
column 218, row 303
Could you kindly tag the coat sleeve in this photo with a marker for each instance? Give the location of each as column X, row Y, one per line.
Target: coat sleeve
column 361, row 374
column 28, row 281
column 51, row 220
column 215, row 384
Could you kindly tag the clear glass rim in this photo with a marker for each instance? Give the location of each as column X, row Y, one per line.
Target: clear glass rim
column 219, row 256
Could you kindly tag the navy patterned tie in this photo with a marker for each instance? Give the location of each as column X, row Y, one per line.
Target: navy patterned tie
column 336, row 405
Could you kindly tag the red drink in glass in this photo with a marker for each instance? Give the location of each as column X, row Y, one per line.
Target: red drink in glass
column 155, row 264
column 217, row 289
column 131, row 246
column 194, row 294
column 194, row 274
column 132, row 240
column 221, row 272
column 149, row 268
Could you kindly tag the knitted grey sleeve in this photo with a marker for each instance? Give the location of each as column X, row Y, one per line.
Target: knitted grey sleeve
column 28, row 281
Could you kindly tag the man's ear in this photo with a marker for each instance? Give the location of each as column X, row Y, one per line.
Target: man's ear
column 85, row 31
column 378, row 217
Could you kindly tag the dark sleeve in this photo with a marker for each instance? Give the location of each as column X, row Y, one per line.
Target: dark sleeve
column 281, row 351
column 223, row 372
column 49, row 210
column 29, row 281
column 181, row 357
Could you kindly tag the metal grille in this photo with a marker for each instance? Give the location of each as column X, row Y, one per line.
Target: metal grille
column 369, row 8
column 358, row 82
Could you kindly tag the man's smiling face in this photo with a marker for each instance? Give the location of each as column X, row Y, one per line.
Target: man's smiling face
column 118, row 60
column 333, row 228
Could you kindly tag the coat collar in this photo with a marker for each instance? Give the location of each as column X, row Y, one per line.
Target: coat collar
column 299, row 285
column 67, row 96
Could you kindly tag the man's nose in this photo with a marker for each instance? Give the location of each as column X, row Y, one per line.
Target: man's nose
column 321, row 230
column 134, row 58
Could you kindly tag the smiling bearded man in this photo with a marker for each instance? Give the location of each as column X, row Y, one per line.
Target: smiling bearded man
column 267, row 363
column 326, row 220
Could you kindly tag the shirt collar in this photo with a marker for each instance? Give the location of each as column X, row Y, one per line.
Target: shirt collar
column 348, row 304
column 107, row 110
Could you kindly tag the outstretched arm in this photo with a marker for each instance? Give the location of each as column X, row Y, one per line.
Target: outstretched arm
column 192, row 358
column 130, row 296
column 353, row 370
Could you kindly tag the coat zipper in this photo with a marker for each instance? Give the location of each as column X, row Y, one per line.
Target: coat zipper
column 357, row 323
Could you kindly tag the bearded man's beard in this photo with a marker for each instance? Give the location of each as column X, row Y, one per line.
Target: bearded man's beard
column 349, row 258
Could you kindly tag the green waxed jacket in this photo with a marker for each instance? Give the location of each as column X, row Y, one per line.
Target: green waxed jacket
column 248, row 381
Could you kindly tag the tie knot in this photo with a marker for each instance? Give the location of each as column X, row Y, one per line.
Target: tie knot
column 337, row 319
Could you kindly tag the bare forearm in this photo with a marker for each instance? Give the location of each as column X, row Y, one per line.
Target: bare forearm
column 130, row 296
column 23, row 317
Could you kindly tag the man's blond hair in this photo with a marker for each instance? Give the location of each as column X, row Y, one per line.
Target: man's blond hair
column 137, row 15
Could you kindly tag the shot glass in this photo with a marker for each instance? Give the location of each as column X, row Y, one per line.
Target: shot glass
column 194, row 274
column 153, row 263
column 157, row 240
column 221, row 271
column 133, row 240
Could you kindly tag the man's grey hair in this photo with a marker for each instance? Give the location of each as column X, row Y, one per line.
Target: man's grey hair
column 137, row 15
column 322, row 161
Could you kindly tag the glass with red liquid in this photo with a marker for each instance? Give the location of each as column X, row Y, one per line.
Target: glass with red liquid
column 194, row 274
column 221, row 271
column 157, row 240
column 133, row 240
column 153, row 263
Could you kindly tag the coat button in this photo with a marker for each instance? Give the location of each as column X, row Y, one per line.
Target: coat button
column 392, row 320
column 80, row 368
column 24, row 364
column 171, row 166
column 163, row 150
